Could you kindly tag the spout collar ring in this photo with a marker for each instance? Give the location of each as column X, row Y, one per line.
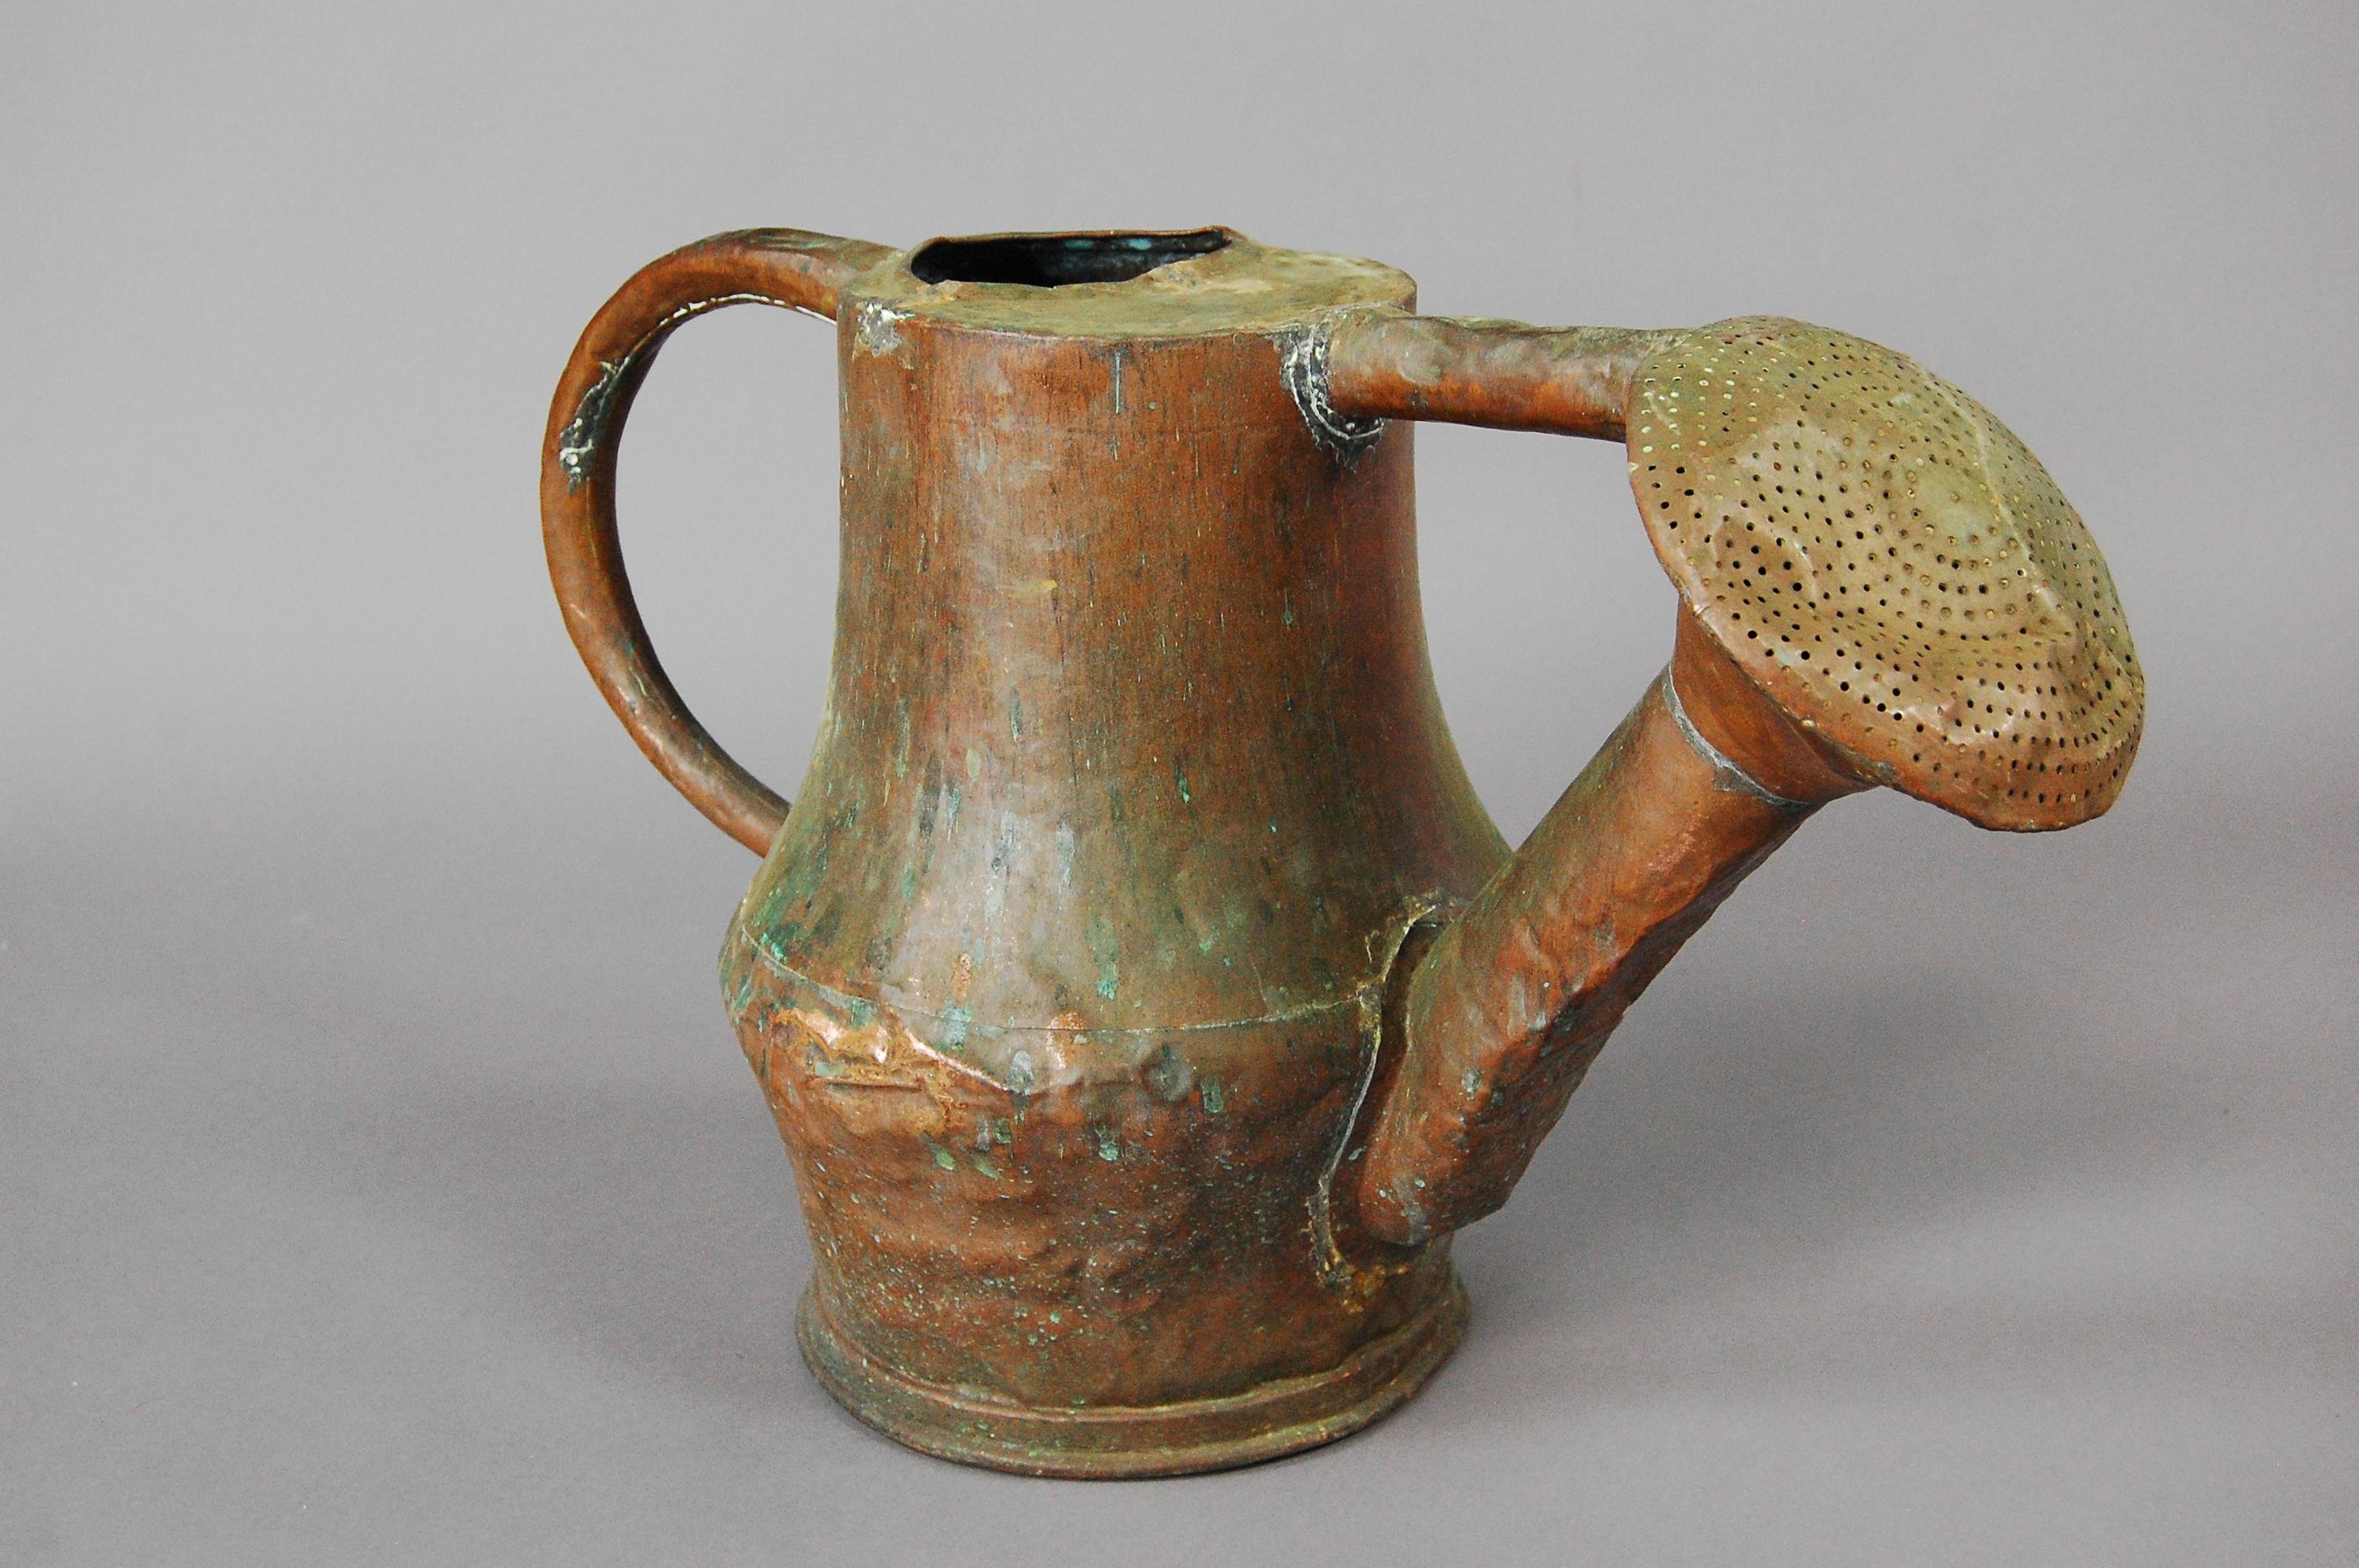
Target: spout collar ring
column 1727, row 774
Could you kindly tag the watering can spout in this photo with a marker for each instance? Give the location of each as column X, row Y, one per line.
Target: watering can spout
column 1878, row 585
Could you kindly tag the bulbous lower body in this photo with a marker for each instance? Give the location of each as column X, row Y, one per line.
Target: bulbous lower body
column 1109, row 1256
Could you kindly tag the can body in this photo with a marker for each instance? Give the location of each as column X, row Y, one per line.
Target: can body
column 1063, row 977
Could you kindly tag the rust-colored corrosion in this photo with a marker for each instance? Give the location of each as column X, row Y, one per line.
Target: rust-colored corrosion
column 1141, row 990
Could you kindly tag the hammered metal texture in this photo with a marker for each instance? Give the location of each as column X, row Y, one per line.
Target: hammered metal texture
column 1892, row 566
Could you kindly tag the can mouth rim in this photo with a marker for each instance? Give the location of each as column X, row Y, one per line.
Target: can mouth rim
column 1058, row 260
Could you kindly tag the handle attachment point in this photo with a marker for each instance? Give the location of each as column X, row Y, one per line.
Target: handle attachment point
column 577, row 446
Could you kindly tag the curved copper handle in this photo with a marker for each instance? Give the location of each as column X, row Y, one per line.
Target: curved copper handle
column 1878, row 585
column 786, row 267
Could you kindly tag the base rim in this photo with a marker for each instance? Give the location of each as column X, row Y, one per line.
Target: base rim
column 1186, row 1437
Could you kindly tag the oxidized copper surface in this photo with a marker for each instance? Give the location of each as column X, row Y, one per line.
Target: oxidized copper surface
column 1141, row 991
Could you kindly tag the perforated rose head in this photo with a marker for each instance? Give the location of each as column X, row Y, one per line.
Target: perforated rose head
column 1890, row 567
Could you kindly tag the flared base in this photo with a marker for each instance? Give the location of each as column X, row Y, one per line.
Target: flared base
column 1111, row 1442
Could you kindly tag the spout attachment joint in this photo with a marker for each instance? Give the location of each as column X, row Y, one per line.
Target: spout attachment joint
column 1302, row 360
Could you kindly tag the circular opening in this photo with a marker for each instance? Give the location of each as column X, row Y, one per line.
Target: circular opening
column 1051, row 261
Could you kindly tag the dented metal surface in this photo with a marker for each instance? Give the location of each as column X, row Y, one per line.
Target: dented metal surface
column 1140, row 990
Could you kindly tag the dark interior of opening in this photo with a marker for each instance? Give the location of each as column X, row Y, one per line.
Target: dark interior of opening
column 1048, row 261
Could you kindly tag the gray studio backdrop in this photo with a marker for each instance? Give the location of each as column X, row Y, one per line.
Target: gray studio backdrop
column 379, row 1181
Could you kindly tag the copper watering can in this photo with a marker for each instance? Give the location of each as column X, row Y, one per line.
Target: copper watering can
column 1142, row 992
